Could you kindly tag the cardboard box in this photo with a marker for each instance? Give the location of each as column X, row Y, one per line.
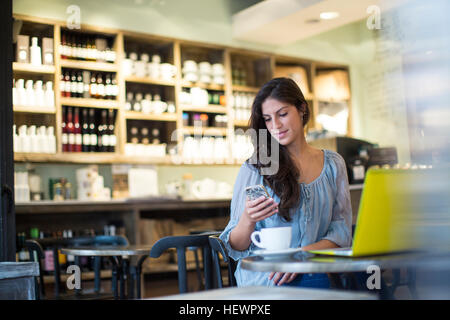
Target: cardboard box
column 23, row 49
column 332, row 86
column 296, row 73
column 47, row 50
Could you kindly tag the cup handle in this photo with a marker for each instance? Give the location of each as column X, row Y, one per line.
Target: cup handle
column 196, row 189
column 253, row 238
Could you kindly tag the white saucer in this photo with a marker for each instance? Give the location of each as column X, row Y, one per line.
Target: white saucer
column 272, row 254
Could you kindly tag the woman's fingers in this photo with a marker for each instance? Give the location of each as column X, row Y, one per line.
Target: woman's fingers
column 292, row 277
column 276, row 277
column 261, row 205
column 254, row 203
column 262, row 208
column 280, row 278
column 265, row 213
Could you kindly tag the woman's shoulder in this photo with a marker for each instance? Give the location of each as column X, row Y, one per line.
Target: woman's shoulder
column 334, row 156
column 247, row 170
column 335, row 162
column 247, row 166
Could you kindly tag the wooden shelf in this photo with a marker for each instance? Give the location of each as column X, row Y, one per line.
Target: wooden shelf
column 259, row 66
column 113, row 158
column 246, row 89
column 89, row 65
column 34, row 157
column 90, row 158
column 157, row 117
column 212, row 108
column 71, row 157
column 188, row 84
column 159, row 82
column 241, row 123
column 46, row 110
column 91, row 103
column 29, row 68
column 205, row 131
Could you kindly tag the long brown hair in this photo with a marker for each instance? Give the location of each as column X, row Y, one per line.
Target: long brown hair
column 285, row 181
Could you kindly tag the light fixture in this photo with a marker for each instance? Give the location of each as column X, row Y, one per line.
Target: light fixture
column 329, row 15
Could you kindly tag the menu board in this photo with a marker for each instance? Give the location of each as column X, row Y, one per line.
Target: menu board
column 383, row 96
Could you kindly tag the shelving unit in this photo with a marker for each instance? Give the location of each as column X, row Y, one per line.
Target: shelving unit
column 245, row 72
column 29, row 68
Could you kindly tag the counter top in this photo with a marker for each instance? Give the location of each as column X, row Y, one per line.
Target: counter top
column 131, row 204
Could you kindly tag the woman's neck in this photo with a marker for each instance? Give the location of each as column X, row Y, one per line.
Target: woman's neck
column 298, row 149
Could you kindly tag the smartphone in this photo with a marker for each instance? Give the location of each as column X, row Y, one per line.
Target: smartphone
column 254, row 192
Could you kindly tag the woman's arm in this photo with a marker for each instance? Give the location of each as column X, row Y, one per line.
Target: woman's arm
column 321, row 244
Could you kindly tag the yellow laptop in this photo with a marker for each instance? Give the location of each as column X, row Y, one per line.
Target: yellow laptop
column 385, row 223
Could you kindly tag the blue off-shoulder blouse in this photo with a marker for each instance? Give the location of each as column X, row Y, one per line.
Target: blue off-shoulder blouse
column 324, row 212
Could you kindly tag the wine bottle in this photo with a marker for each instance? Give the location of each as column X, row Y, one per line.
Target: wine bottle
column 70, row 130
column 62, row 85
column 64, row 137
column 93, row 86
column 79, row 49
column 73, row 85
column 115, row 88
column 112, row 135
column 85, row 131
column 77, row 131
column 68, row 83
column 95, row 52
column 103, row 138
column 92, row 131
column 108, row 87
column 63, row 47
column 69, row 47
column 100, row 87
column 80, row 85
column 83, row 49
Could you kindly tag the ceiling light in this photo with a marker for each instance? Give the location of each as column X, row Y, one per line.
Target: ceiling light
column 329, row 15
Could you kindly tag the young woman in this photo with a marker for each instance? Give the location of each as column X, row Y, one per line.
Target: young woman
column 309, row 191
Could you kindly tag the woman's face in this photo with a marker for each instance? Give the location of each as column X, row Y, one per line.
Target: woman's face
column 283, row 120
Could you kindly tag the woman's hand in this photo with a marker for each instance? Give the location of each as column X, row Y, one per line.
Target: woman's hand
column 280, row 277
column 260, row 209
column 254, row 211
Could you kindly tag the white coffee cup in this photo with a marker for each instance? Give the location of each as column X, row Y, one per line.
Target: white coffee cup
column 273, row 238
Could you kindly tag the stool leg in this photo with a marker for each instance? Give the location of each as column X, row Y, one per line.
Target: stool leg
column 197, row 267
column 132, row 279
column 114, row 278
column 120, row 268
column 97, row 276
column 138, row 276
